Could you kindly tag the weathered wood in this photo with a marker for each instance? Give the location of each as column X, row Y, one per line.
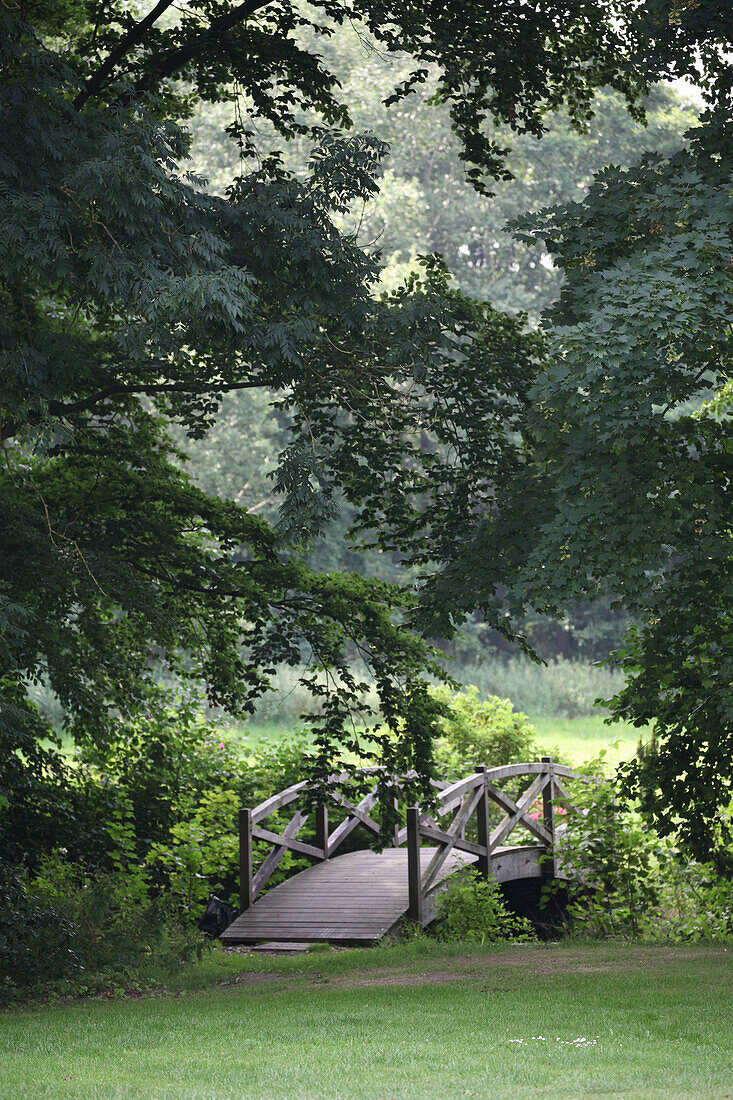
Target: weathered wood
column 506, row 803
column 548, row 815
column 452, row 840
column 452, row 796
column 503, row 829
column 483, row 826
column 246, row 895
column 347, row 826
column 269, row 864
column 507, row 771
column 414, row 908
column 322, row 828
column 287, row 842
column 356, row 811
column 442, row 854
column 358, row 898
column 283, row 798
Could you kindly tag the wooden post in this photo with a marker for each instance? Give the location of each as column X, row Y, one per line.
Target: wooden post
column 483, row 827
column 396, row 828
column 548, row 815
column 414, row 911
column 245, row 860
column 322, row 828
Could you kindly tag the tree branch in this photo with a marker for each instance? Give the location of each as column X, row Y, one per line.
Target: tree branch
column 126, row 43
column 10, row 428
column 175, row 61
column 60, row 408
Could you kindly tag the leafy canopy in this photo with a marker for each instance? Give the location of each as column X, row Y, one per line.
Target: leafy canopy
column 133, row 299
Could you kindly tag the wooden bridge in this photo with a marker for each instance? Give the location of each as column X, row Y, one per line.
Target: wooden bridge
column 361, row 896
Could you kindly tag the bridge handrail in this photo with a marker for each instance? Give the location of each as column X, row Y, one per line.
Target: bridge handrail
column 471, row 796
column 468, row 796
column 290, row 794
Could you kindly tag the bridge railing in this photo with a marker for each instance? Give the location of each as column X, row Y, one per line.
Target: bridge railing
column 465, row 798
column 325, row 842
column 473, row 797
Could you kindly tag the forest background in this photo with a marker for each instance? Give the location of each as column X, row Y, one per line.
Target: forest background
column 424, row 205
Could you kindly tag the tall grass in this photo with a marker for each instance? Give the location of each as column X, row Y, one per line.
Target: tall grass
column 560, row 689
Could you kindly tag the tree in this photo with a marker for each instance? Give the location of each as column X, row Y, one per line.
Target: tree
column 626, row 488
column 425, row 203
column 132, row 299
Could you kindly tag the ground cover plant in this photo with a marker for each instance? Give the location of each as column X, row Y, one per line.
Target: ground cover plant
column 424, row 1021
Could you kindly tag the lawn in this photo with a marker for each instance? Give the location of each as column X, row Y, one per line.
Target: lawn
column 580, row 739
column 573, row 739
column 418, row 1020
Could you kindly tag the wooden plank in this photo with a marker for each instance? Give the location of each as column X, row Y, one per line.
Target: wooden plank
column 357, row 812
column 502, row 799
column 453, row 794
column 453, row 841
column 483, row 826
column 283, row 798
column 522, row 805
column 267, row 867
column 441, row 855
column 287, row 842
column 322, row 828
column 414, row 885
column 246, row 892
column 506, row 771
column 348, row 825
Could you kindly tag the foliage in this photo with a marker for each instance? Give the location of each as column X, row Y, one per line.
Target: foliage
column 36, row 939
column 638, row 340
column 132, row 299
column 199, row 852
column 471, row 908
column 487, row 731
column 623, row 878
column 607, row 857
column 695, row 902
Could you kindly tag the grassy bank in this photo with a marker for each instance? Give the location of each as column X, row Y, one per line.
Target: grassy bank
column 420, row 1021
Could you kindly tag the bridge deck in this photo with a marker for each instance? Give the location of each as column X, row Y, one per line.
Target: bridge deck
column 355, row 898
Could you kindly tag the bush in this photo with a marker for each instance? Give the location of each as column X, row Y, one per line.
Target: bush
column 36, row 938
column 695, row 903
column 478, row 731
column 625, row 880
column 472, row 908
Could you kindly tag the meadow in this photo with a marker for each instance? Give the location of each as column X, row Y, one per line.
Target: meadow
column 418, row 1020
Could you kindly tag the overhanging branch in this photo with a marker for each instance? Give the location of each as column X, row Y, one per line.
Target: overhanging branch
column 61, row 408
column 123, row 47
column 167, row 64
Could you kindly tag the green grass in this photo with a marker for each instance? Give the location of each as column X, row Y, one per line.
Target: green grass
column 580, row 739
column 574, row 739
column 438, row 1023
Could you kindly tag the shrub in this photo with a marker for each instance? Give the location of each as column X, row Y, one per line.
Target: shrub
column 477, row 731
column 609, row 858
column 163, row 762
column 472, row 908
column 36, row 938
column 695, row 902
